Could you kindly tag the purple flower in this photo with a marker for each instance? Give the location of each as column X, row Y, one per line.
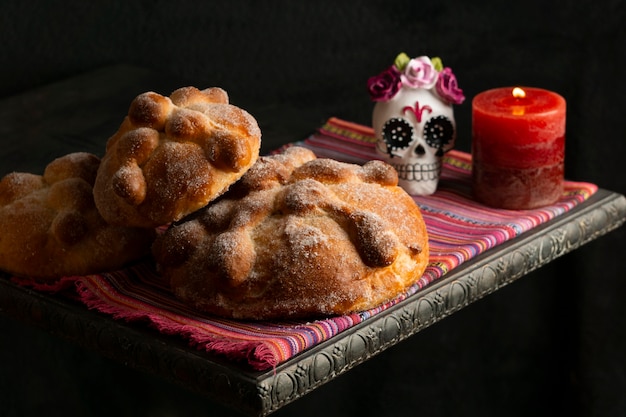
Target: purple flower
column 447, row 87
column 384, row 86
column 419, row 73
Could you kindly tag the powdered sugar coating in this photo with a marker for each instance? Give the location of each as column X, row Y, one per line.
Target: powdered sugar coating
column 172, row 155
column 51, row 227
column 298, row 236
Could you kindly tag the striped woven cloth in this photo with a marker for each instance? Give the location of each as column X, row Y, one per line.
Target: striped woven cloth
column 459, row 229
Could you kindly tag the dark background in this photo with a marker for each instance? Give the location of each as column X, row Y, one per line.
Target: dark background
column 553, row 343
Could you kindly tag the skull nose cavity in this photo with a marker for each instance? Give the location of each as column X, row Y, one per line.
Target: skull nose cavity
column 419, row 150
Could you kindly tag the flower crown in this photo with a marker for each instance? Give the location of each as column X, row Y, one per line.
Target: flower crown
column 420, row 72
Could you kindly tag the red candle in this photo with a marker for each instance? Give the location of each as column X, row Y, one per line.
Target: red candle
column 518, row 147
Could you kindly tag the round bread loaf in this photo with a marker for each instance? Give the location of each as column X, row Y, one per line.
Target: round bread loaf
column 298, row 237
column 172, row 155
column 51, row 227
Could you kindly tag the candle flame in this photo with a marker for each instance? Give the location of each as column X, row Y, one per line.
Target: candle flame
column 518, row 93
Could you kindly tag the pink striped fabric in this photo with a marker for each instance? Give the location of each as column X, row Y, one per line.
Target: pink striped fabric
column 459, row 229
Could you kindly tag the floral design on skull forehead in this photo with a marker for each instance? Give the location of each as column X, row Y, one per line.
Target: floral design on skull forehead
column 420, row 72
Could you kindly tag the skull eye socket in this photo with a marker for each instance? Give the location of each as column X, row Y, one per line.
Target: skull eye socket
column 397, row 133
column 438, row 131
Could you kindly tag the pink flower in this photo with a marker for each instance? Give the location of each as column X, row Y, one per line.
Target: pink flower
column 419, row 73
column 447, row 87
column 384, row 86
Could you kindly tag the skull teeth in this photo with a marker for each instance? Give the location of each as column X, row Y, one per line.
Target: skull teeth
column 418, row 172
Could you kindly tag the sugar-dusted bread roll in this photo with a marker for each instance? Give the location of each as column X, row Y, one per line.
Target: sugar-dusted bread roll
column 172, row 155
column 50, row 226
column 298, row 237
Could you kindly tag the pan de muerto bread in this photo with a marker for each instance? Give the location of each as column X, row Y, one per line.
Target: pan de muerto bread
column 172, row 155
column 298, row 237
column 50, row 226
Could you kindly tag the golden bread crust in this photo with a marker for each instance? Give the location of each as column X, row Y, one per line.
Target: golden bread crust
column 173, row 155
column 51, row 227
column 298, row 237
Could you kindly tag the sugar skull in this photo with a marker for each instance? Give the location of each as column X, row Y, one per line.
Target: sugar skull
column 413, row 119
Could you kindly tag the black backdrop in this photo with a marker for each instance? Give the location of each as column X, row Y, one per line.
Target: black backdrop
column 550, row 344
